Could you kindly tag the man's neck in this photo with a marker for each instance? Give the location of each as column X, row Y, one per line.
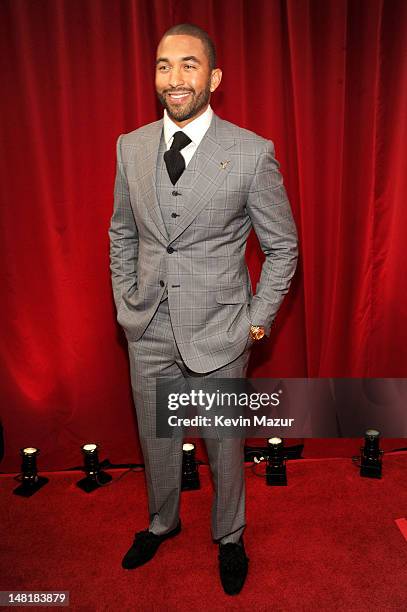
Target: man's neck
column 182, row 124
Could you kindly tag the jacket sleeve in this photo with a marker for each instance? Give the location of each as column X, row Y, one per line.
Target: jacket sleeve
column 270, row 213
column 123, row 235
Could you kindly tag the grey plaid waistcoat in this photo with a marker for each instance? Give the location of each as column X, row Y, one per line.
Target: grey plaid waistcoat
column 172, row 199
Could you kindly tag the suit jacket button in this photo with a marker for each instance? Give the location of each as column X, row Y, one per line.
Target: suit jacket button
column 162, row 283
column 175, row 193
column 170, row 250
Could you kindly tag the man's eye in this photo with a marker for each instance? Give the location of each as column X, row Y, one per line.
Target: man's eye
column 189, row 66
column 163, row 68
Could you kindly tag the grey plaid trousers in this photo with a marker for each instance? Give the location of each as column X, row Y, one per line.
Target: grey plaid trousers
column 154, row 355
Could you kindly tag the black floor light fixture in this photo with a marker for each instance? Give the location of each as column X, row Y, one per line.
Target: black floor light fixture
column 258, row 453
column 190, row 474
column 95, row 477
column 30, row 480
column 371, row 455
column 276, row 474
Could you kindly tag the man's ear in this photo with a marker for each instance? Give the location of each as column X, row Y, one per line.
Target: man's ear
column 216, row 77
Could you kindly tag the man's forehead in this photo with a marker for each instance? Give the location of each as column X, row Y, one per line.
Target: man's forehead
column 179, row 46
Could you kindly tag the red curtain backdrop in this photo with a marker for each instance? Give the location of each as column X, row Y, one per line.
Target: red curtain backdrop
column 326, row 80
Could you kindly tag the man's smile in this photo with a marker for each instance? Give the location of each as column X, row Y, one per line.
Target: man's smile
column 178, row 97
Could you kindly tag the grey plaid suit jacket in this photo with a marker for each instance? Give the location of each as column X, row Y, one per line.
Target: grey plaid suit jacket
column 202, row 262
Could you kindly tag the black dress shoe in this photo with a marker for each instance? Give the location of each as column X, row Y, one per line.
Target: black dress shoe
column 233, row 565
column 145, row 546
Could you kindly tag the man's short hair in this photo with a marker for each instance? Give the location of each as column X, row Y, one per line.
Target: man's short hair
column 189, row 29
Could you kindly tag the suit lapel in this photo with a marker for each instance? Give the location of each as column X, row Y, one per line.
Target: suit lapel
column 147, row 180
column 212, row 167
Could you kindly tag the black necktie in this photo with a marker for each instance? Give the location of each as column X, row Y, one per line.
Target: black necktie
column 173, row 158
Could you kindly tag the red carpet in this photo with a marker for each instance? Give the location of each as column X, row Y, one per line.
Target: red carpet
column 327, row 541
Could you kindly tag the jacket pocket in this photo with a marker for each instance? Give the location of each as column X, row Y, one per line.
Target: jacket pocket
column 233, row 295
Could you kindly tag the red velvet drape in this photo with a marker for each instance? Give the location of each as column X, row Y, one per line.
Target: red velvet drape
column 326, row 80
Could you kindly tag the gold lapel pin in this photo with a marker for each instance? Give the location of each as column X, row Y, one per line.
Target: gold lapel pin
column 223, row 164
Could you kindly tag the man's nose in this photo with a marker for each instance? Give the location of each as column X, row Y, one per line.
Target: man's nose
column 176, row 78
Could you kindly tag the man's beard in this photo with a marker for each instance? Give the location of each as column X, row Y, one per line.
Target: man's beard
column 189, row 110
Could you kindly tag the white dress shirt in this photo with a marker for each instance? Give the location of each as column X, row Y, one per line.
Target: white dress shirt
column 196, row 130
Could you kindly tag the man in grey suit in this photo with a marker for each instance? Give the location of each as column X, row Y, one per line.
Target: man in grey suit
column 188, row 190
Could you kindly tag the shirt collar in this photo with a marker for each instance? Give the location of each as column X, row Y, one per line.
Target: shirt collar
column 196, row 129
